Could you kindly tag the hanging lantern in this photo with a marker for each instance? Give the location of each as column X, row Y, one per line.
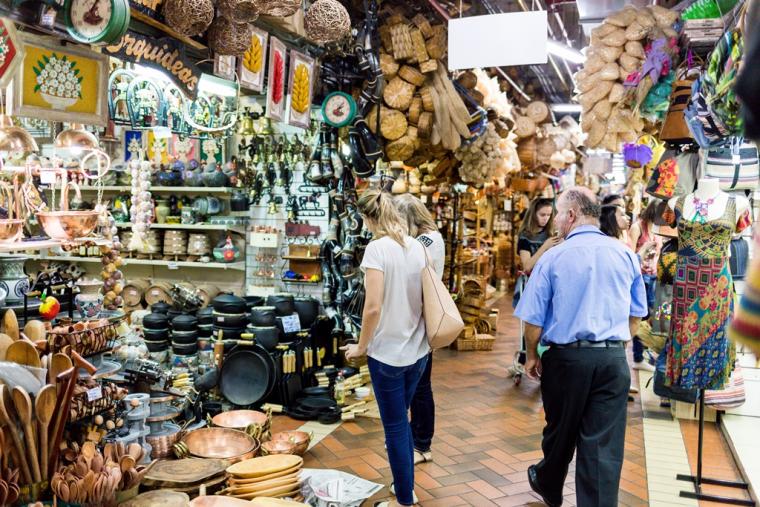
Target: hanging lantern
column 189, row 17
column 327, row 21
column 15, row 139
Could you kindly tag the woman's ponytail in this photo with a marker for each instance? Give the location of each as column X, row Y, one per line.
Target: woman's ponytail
column 378, row 207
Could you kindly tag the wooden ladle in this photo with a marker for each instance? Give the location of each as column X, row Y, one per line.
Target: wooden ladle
column 59, row 363
column 6, row 405
column 44, row 408
column 10, row 325
column 23, row 405
column 23, row 352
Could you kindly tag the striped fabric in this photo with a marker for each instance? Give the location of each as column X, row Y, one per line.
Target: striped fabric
column 745, row 326
column 735, row 165
column 731, row 396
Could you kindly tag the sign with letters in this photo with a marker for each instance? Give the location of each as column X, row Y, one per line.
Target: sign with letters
column 165, row 54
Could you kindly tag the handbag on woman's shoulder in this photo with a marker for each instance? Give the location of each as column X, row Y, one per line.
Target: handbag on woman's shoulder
column 443, row 323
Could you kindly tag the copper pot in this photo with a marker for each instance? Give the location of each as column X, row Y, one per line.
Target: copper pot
column 278, row 447
column 219, row 443
column 300, row 439
column 66, row 225
column 240, row 419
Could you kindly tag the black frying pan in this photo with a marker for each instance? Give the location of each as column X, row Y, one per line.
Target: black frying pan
column 246, row 375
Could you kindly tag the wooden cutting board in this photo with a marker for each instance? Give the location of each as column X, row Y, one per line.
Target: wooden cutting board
column 159, row 497
column 266, row 465
column 184, row 472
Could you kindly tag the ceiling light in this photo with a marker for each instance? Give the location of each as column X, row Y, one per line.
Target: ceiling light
column 15, row 139
column 566, row 108
column 76, row 137
column 565, row 52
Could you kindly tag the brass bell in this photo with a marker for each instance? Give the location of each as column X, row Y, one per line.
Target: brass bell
column 291, row 214
column 272, row 208
column 246, row 126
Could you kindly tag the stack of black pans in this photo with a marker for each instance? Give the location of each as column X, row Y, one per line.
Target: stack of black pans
column 185, row 335
column 156, row 332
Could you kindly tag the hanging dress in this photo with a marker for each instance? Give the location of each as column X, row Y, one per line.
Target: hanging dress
column 698, row 352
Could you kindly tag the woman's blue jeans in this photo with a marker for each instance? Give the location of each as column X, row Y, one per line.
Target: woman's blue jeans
column 423, row 410
column 394, row 388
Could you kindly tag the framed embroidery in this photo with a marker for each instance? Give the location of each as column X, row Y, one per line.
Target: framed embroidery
column 60, row 83
column 224, row 66
column 276, row 86
column 301, row 89
column 11, row 51
column 251, row 66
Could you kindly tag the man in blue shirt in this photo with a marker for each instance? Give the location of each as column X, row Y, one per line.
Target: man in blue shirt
column 584, row 300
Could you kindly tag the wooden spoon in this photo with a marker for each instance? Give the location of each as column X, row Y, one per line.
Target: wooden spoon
column 59, row 363
column 23, row 405
column 3, row 492
column 23, row 352
column 10, row 325
column 136, row 451
column 126, row 463
column 35, row 330
column 44, row 407
column 6, row 419
column 5, row 342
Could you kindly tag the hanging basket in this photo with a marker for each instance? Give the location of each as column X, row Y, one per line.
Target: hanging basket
column 229, row 38
column 242, row 11
column 545, row 147
column 526, row 152
column 279, row 8
column 327, row 21
column 524, row 127
column 189, row 17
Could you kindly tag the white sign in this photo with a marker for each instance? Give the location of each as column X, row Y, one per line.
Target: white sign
column 291, row 323
column 94, row 394
column 498, row 40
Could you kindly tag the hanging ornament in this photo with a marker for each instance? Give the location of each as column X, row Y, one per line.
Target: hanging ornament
column 141, row 209
column 327, row 21
column 189, row 17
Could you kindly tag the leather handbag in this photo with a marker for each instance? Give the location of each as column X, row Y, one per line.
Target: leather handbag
column 735, row 164
column 674, row 128
column 443, row 323
column 662, row 183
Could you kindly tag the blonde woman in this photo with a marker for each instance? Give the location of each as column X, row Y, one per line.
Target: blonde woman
column 393, row 330
column 422, row 226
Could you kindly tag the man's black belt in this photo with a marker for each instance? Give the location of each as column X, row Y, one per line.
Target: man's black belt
column 606, row 344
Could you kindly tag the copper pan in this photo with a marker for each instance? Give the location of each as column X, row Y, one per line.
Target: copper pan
column 278, row 447
column 220, row 443
column 66, row 225
column 240, row 419
column 300, row 439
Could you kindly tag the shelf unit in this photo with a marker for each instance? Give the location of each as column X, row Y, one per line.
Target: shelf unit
column 240, row 229
column 160, row 189
column 235, row 266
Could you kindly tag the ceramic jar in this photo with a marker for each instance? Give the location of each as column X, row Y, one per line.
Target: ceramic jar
column 89, row 301
column 13, row 279
column 162, row 211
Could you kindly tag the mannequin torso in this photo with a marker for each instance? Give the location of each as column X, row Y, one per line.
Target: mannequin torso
column 711, row 199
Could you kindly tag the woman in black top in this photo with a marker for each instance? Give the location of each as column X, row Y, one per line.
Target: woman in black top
column 534, row 237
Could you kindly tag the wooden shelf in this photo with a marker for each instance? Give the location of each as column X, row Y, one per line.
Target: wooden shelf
column 143, row 18
column 236, row 266
column 240, row 229
column 159, row 189
column 299, row 258
column 302, row 282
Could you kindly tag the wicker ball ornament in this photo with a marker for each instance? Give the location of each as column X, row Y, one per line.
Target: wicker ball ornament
column 226, row 37
column 189, row 17
column 242, row 11
column 327, row 21
column 279, row 8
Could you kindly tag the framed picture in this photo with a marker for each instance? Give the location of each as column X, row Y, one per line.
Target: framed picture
column 11, row 51
column 252, row 66
column 224, row 66
column 301, row 88
column 60, row 83
column 276, row 87
column 133, row 145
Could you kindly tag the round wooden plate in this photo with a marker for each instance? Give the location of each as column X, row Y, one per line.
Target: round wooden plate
column 263, row 486
column 285, row 473
column 185, row 471
column 266, row 465
column 160, row 497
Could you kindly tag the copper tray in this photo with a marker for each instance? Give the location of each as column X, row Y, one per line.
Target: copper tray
column 219, row 443
column 240, row 419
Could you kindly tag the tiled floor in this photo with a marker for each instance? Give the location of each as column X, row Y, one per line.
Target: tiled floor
column 488, row 431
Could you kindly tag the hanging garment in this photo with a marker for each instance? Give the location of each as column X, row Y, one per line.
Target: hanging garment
column 745, row 326
column 699, row 356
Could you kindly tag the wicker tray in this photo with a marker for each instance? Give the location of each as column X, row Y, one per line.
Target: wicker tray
column 480, row 342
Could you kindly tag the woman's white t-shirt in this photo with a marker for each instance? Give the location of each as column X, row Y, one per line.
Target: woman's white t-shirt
column 433, row 241
column 399, row 339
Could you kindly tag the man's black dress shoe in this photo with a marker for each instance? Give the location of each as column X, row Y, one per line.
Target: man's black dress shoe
column 533, row 481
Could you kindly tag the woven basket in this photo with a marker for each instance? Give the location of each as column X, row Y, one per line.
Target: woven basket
column 527, row 152
column 279, row 8
column 189, row 17
column 242, row 11
column 482, row 342
column 327, row 21
column 227, row 37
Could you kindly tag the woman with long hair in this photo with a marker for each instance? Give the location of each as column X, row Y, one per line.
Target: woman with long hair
column 534, row 237
column 422, row 226
column 614, row 222
column 393, row 330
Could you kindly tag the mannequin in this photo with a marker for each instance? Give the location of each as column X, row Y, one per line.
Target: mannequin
column 699, row 355
column 707, row 189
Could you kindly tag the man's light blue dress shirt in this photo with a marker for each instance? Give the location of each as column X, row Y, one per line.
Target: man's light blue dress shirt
column 584, row 289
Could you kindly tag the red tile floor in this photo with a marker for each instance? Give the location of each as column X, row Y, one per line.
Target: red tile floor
column 488, row 431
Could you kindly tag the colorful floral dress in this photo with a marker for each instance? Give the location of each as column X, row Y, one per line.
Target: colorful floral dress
column 698, row 351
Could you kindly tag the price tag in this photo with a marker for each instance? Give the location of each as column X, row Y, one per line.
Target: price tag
column 291, row 324
column 94, row 394
column 173, row 265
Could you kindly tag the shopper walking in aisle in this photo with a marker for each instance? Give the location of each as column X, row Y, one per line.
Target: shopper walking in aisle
column 534, row 237
column 582, row 300
column 393, row 330
column 422, row 226
column 648, row 246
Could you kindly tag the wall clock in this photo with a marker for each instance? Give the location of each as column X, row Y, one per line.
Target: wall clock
column 338, row 109
column 97, row 21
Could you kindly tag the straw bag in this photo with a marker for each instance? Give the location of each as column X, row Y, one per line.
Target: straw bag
column 674, row 128
column 443, row 322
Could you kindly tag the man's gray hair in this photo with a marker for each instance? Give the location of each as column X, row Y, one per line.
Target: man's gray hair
column 584, row 201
